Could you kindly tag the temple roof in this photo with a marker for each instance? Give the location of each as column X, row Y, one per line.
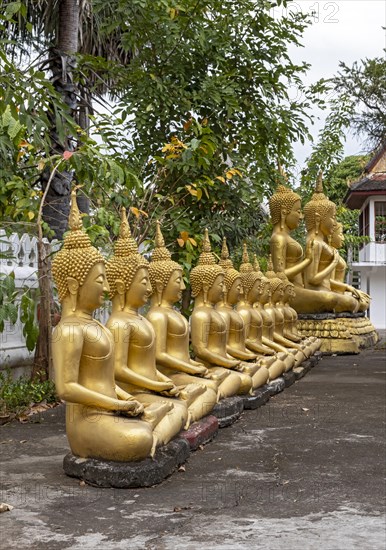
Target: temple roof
column 373, row 181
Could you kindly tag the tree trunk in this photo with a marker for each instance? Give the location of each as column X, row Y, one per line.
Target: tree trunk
column 57, row 206
column 42, row 367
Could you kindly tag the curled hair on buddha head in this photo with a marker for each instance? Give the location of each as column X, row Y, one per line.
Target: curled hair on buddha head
column 247, row 273
column 206, row 270
column 283, row 197
column 77, row 256
column 231, row 274
column 274, row 280
column 319, row 204
column 126, row 260
column 161, row 265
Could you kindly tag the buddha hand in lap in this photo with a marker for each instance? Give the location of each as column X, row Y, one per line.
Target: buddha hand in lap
column 172, row 331
column 135, row 357
column 208, row 326
column 235, row 326
column 98, row 422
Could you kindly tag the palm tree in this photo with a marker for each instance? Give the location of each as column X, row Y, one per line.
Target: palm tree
column 56, row 30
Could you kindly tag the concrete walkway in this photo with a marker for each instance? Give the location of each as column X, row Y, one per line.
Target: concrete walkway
column 306, row 471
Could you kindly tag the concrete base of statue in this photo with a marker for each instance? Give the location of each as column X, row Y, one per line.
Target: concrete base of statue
column 302, row 370
column 289, row 378
column 341, row 333
column 228, row 410
column 201, row 432
column 129, row 475
column 258, row 398
column 277, row 385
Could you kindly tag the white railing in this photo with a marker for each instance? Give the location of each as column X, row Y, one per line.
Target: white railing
column 18, row 255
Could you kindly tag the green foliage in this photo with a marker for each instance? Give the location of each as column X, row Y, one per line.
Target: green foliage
column 17, row 396
column 8, row 294
column 365, row 84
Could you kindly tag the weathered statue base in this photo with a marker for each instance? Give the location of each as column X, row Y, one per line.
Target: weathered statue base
column 201, row 432
column 342, row 333
column 228, row 410
column 126, row 475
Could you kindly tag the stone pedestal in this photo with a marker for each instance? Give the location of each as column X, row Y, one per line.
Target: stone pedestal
column 341, row 333
column 228, row 410
column 201, row 432
column 258, row 398
column 129, row 475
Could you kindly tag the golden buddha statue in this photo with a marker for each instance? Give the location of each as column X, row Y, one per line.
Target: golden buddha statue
column 135, row 361
column 285, row 209
column 253, row 321
column 320, row 218
column 235, row 325
column 172, row 331
column 308, row 345
column 98, row 422
column 208, row 327
column 337, row 280
column 260, row 334
column 271, row 307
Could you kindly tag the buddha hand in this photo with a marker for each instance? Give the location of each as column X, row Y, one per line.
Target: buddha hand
column 310, row 250
column 131, row 407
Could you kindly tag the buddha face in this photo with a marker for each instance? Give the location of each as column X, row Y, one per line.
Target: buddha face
column 234, row 292
column 215, row 292
column 338, row 237
column 254, row 293
column 264, row 291
column 294, row 216
column 278, row 294
column 173, row 290
column 328, row 222
column 140, row 289
column 91, row 292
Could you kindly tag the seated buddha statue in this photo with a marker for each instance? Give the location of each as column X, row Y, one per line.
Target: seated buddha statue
column 208, row 328
column 172, row 331
column 337, row 281
column 98, row 413
column 253, row 321
column 287, row 253
column 276, row 313
column 308, row 345
column 320, row 218
column 263, row 305
column 135, row 348
column 234, row 322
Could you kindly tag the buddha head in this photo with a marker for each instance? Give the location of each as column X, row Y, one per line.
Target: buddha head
column 207, row 277
column 319, row 212
column 275, row 282
column 265, row 287
column 165, row 274
column 127, row 270
column 78, row 268
column 288, row 287
column 285, row 207
column 337, row 238
column 232, row 279
column 250, row 279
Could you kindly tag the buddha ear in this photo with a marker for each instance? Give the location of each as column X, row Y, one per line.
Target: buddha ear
column 120, row 286
column 317, row 222
column 73, row 285
column 283, row 215
column 159, row 288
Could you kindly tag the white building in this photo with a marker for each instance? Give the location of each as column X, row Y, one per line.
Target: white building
column 369, row 196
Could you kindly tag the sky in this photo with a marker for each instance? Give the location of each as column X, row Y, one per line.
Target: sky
column 343, row 30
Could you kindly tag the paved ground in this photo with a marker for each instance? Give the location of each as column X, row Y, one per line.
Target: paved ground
column 306, row 471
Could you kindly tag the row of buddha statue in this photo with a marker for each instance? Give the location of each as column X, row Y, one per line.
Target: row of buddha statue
column 319, row 274
column 131, row 386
